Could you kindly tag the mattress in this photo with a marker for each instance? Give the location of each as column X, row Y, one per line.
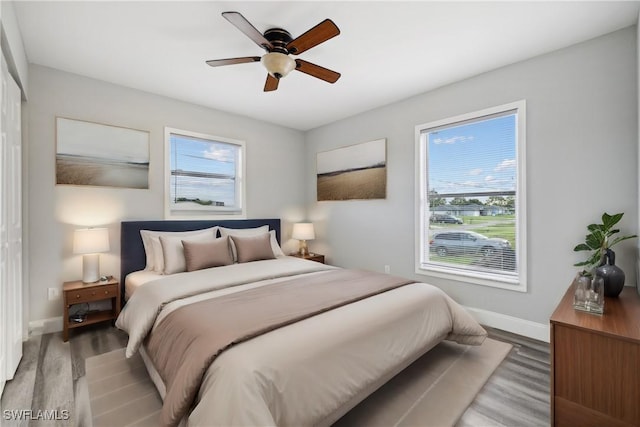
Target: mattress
column 310, row 372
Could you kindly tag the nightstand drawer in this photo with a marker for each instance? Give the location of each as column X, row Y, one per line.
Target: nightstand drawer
column 94, row 294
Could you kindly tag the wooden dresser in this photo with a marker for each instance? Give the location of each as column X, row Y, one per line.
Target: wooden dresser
column 595, row 363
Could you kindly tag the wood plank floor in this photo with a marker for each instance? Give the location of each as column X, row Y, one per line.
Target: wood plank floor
column 517, row 394
column 51, row 376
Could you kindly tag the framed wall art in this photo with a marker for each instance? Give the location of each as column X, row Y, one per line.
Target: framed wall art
column 354, row 172
column 101, row 155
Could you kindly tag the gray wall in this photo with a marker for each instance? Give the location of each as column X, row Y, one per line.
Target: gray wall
column 582, row 160
column 274, row 160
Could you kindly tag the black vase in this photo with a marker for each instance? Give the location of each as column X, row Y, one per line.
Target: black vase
column 613, row 276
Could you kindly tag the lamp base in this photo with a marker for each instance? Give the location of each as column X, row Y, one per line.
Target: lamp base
column 90, row 268
column 304, row 250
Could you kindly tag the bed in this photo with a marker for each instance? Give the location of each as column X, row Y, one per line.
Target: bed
column 307, row 371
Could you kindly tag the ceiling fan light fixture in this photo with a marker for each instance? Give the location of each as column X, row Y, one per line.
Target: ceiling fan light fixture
column 278, row 64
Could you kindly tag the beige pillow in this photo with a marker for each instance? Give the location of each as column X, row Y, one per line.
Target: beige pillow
column 200, row 255
column 253, row 248
column 246, row 232
column 173, row 251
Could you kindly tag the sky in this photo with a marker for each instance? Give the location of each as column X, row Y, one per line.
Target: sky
column 352, row 156
column 88, row 139
column 474, row 157
column 202, row 156
column 191, row 154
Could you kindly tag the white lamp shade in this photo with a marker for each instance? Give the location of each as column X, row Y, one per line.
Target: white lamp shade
column 303, row 231
column 91, row 240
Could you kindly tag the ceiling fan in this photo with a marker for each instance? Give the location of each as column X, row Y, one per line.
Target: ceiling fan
column 279, row 46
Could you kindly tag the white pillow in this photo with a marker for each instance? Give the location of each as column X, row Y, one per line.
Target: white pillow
column 244, row 232
column 158, row 257
column 275, row 247
column 146, row 242
column 250, row 232
column 153, row 249
column 173, row 251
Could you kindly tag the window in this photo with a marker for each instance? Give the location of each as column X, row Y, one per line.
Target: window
column 204, row 175
column 470, row 201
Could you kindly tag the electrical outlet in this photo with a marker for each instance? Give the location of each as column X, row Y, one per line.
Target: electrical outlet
column 387, row 269
column 54, row 293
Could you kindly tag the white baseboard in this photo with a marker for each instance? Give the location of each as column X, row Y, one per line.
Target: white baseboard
column 45, row 326
column 512, row 324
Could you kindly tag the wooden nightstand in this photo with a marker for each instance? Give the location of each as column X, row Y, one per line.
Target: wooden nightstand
column 312, row 257
column 595, row 369
column 77, row 292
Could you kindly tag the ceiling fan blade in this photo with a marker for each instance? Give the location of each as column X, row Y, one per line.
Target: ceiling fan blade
column 271, row 83
column 317, row 71
column 318, row 34
column 249, row 30
column 231, row 61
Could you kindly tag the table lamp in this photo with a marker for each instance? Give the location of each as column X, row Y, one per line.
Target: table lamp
column 303, row 231
column 90, row 242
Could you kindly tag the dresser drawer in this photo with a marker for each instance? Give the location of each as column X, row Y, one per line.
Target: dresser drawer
column 93, row 294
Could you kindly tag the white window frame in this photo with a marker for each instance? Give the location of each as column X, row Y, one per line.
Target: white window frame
column 205, row 212
column 516, row 282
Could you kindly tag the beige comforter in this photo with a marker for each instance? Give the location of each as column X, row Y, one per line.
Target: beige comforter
column 186, row 342
column 313, row 371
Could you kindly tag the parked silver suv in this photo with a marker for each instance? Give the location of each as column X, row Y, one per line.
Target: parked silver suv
column 445, row 219
column 465, row 243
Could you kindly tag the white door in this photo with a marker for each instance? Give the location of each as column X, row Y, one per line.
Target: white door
column 14, row 217
column 11, row 219
column 4, row 316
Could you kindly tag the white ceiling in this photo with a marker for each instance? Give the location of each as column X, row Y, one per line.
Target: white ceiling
column 386, row 51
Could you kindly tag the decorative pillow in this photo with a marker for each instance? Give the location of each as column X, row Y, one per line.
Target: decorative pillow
column 253, row 248
column 173, row 251
column 247, row 232
column 153, row 249
column 200, row 255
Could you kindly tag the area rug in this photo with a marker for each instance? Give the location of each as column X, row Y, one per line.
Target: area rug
column 434, row 391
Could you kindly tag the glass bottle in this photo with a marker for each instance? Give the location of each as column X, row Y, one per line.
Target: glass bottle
column 582, row 285
column 595, row 298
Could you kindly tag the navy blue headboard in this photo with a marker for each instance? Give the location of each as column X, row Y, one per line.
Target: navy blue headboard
column 132, row 255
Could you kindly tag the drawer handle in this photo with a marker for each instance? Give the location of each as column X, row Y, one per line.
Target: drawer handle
column 106, row 292
column 77, row 295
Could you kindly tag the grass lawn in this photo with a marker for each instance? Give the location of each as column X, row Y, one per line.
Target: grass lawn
column 503, row 231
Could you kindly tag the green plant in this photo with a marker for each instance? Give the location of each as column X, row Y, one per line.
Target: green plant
column 599, row 239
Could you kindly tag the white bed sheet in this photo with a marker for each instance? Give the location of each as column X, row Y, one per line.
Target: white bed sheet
column 138, row 278
column 314, row 371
